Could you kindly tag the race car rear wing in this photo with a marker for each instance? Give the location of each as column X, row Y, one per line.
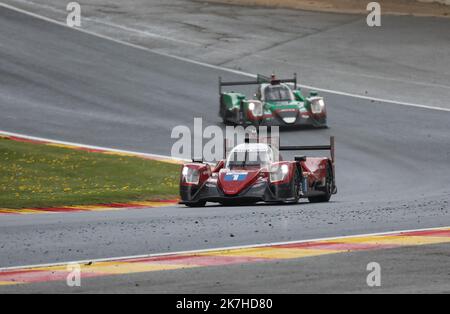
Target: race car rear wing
column 260, row 79
column 330, row 147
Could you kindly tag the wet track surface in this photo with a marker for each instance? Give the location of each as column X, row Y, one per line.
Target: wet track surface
column 392, row 161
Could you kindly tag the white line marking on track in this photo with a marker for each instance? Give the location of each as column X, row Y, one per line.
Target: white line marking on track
column 215, row 67
column 112, row 150
column 218, row 249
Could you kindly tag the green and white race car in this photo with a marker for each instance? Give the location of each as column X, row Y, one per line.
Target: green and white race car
column 277, row 102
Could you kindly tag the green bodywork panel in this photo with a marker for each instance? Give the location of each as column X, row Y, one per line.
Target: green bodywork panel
column 233, row 100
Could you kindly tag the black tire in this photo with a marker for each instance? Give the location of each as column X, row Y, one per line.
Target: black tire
column 223, row 113
column 225, row 121
column 321, row 127
column 328, row 190
column 196, row 204
column 296, row 181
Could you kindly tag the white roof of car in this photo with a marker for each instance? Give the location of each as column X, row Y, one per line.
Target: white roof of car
column 251, row 147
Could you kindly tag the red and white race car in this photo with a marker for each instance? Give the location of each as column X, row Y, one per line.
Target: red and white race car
column 255, row 172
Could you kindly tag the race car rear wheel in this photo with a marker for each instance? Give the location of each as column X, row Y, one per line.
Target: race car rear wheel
column 296, row 190
column 328, row 189
column 223, row 113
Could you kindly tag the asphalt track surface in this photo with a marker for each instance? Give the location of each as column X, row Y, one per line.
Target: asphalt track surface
column 405, row 60
column 58, row 83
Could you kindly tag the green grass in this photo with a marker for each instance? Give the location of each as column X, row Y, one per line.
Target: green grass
column 34, row 175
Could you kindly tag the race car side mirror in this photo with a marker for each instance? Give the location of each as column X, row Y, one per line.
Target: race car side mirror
column 298, row 95
column 300, row 158
column 220, row 165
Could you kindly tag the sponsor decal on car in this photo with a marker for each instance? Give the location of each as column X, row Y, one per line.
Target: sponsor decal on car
column 236, row 177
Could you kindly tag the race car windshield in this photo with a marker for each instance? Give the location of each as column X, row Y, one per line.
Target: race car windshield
column 278, row 93
column 240, row 159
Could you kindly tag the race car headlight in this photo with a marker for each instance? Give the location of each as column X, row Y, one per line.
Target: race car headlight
column 317, row 105
column 279, row 173
column 256, row 108
column 191, row 176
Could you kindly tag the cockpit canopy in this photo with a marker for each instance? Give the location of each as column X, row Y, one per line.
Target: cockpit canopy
column 250, row 156
column 277, row 93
